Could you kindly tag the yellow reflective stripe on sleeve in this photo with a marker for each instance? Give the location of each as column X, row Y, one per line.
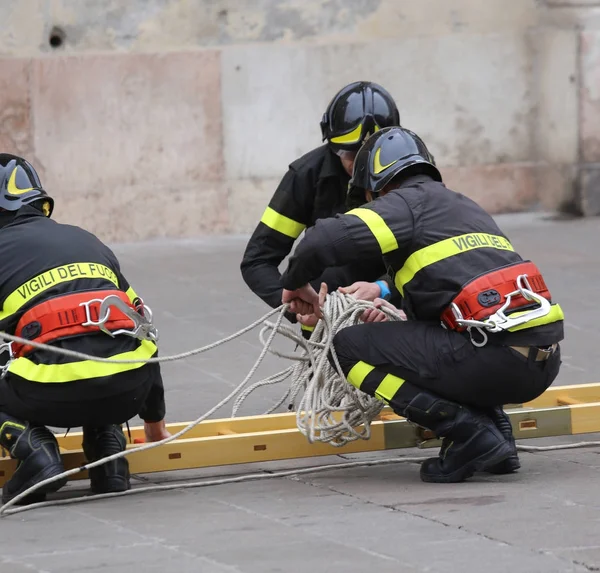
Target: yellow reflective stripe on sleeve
column 444, row 250
column 131, row 294
column 282, row 224
column 358, row 373
column 42, row 282
column 352, row 137
column 556, row 313
column 386, row 239
column 82, row 370
column 388, row 387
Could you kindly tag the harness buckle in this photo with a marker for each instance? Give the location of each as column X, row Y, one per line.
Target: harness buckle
column 144, row 329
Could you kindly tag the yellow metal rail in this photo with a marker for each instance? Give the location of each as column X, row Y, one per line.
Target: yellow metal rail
column 561, row 410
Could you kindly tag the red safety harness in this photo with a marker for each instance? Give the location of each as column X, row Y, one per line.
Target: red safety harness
column 70, row 315
column 480, row 298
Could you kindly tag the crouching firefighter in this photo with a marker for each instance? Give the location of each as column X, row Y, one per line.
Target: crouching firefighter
column 483, row 330
column 61, row 286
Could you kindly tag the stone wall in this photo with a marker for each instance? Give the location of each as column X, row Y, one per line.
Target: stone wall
column 153, row 118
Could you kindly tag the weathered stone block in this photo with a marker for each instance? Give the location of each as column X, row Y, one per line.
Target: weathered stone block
column 15, row 107
column 504, row 188
column 129, row 121
column 143, row 212
column 590, row 96
column 452, row 90
column 589, row 190
column 247, row 201
column 556, row 128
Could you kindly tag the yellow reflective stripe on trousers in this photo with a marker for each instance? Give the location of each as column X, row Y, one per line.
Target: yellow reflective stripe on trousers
column 281, row 223
column 82, row 370
column 556, row 313
column 358, row 373
column 306, row 327
column 388, row 387
column 386, row 239
column 42, row 282
column 444, row 250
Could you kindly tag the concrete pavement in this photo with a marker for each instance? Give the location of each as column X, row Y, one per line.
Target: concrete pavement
column 378, row 518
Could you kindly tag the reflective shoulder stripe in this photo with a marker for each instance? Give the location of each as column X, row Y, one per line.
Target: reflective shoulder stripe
column 42, row 282
column 82, row 370
column 388, row 387
column 282, row 224
column 444, row 250
column 556, row 313
column 358, row 373
column 386, row 239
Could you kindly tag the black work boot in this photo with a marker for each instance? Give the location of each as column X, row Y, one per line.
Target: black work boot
column 502, row 422
column 38, row 455
column 99, row 443
column 471, row 440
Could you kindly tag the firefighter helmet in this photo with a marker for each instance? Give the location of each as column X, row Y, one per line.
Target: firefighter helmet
column 357, row 111
column 20, row 185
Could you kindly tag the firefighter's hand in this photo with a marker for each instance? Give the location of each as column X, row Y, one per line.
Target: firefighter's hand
column 312, row 319
column 307, row 319
column 155, row 431
column 377, row 315
column 303, row 300
column 362, row 290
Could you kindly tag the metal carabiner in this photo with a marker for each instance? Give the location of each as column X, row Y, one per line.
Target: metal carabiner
column 500, row 321
column 6, row 347
column 143, row 329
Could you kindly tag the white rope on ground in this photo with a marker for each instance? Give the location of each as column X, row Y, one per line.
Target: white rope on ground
column 330, row 410
column 265, row 476
column 323, row 426
column 16, row 499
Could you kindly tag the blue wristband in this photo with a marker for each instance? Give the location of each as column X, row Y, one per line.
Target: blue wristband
column 386, row 293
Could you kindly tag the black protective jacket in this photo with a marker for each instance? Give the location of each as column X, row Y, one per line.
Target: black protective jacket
column 314, row 187
column 42, row 259
column 433, row 242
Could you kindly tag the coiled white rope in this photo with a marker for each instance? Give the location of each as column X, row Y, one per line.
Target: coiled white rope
column 330, row 410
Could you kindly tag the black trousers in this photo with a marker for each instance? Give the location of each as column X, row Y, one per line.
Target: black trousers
column 391, row 360
column 111, row 400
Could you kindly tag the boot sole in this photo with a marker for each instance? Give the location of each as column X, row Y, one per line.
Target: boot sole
column 508, row 466
column 113, row 484
column 39, row 494
column 500, row 453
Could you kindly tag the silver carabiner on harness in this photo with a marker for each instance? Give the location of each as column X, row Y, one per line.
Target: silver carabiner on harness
column 144, row 329
column 6, row 347
column 499, row 321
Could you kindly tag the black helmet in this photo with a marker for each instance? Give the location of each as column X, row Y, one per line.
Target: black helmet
column 20, row 185
column 357, row 111
column 385, row 155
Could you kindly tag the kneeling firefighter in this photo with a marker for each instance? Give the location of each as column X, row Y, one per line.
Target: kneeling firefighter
column 61, row 286
column 483, row 330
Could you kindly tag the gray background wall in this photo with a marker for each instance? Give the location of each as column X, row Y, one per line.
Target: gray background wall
column 179, row 117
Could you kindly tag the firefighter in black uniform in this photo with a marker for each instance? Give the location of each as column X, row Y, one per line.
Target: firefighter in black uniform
column 315, row 187
column 54, row 279
column 483, row 330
